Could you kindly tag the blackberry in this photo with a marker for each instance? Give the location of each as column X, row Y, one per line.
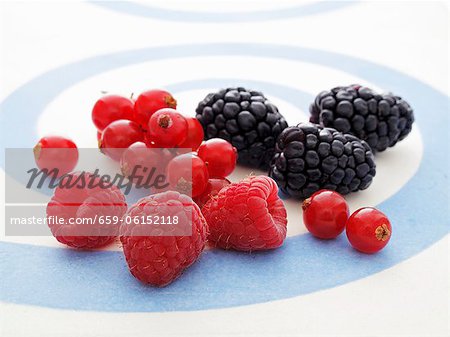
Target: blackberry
column 380, row 120
column 246, row 119
column 309, row 157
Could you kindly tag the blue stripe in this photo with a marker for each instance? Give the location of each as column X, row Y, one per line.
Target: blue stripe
column 158, row 13
column 63, row 278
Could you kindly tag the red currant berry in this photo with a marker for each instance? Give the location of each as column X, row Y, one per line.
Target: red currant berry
column 167, row 128
column 149, row 102
column 195, row 134
column 368, row 230
column 99, row 136
column 325, row 214
column 118, row 136
column 188, row 174
column 138, row 162
column 111, row 108
column 148, row 140
column 54, row 152
column 212, row 189
column 220, row 157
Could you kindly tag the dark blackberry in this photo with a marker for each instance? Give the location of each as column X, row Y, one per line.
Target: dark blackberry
column 380, row 120
column 309, row 157
column 246, row 119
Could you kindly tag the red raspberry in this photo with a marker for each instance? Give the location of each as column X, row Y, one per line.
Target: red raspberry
column 75, row 199
column 247, row 215
column 158, row 253
column 212, row 189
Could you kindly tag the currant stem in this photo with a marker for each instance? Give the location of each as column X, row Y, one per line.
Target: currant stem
column 306, row 203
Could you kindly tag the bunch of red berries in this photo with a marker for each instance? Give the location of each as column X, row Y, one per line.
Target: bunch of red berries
column 126, row 127
column 326, row 215
column 150, row 119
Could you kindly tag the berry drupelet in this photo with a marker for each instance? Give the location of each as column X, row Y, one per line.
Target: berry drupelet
column 246, row 119
column 380, row 120
column 309, row 158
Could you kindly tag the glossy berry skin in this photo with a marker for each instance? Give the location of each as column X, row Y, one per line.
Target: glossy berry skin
column 220, row 157
column 118, row 136
column 212, row 189
column 139, row 161
column 55, row 152
column 149, row 102
column 195, row 134
column 187, row 173
column 325, row 214
column 368, row 230
column 111, row 108
column 167, row 128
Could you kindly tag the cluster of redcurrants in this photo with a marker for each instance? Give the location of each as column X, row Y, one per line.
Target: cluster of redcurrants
column 326, row 215
column 138, row 132
column 151, row 122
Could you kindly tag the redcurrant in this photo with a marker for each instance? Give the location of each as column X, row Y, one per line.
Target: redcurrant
column 111, row 108
column 148, row 140
column 188, row 174
column 195, row 134
column 167, row 128
column 54, row 152
column 325, row 214
column 212, row 189
column 149, row 102
column 118, row 136
column 220, row 157
column 368, row 230
column 138, row 162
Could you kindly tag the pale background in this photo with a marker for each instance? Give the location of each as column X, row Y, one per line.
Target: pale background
column 411, row 298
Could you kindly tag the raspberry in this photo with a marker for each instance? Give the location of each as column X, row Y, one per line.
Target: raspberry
column 164, row 252
column 74, row 198
column 247, row 215
column 212, row 189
